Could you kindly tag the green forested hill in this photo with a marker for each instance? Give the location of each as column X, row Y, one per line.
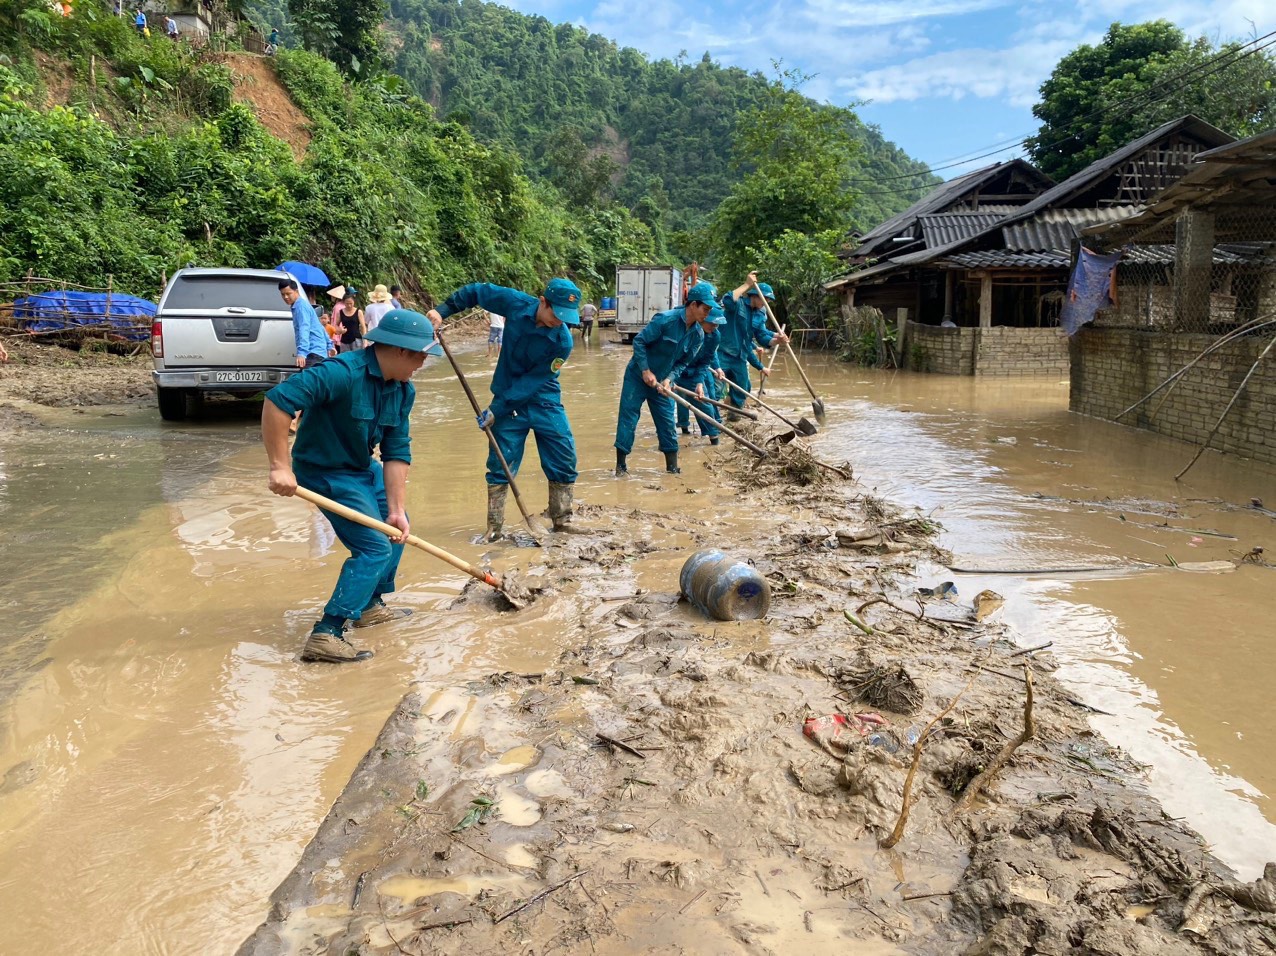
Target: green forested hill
column 542, row 87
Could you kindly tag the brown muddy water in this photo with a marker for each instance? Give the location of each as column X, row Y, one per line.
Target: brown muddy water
column 165, row 759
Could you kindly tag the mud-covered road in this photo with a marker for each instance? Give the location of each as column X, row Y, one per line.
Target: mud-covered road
column 166, row 760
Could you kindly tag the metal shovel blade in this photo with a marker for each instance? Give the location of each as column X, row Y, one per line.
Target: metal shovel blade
column 806, row 426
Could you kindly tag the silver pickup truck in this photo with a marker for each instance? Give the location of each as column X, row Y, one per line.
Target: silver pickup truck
column 220, row 330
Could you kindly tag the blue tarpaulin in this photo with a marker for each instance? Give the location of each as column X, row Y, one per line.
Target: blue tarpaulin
column 1090, row 288
column 129, row 316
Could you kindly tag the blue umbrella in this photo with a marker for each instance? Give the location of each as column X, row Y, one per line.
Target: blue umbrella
column 305, row 273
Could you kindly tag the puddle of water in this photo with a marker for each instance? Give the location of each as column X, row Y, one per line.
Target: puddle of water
column 516, row 809
column 547, row 783
column 512, row 761
column 520, row 855
column 409, row 889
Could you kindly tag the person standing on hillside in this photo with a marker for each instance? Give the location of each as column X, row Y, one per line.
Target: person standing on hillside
column 396, row 296
column 746, row 325
column 662, row 352
column 699, row 378
column 170, row 27
column 378, row 305
column 526, row 395
column 355, row 403
column 139, row 23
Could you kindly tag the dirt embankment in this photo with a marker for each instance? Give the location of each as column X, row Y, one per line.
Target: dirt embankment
column 257, row 85
column 57, row 376
column 655, row 791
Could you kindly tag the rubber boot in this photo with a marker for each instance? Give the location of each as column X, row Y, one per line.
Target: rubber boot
column 496, row 510
column 622, row 467
column 686, row 429
column 671, row 463
column 715, row 440
column 560, row 510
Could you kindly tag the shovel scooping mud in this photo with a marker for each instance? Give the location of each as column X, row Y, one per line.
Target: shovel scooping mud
column 804, row 425
column 517, row 596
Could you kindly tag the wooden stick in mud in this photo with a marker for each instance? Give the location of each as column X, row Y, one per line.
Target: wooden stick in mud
column 327, row 504
column 1029, row 731
column 1218, row 424
column 815, row 399
column 907, row 805
column 756, row 449
column 491, row 439
column 692, row 396
column 539, row 896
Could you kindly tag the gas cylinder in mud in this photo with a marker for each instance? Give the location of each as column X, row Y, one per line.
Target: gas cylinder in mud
column 725, row 587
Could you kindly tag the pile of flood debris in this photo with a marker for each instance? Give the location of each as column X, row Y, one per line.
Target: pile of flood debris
column 868, row 763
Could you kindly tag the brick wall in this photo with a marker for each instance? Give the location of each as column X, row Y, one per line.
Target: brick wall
column 1001, row 350
column 1113, row 368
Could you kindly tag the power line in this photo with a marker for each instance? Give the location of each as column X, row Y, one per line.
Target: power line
column 1143, row 98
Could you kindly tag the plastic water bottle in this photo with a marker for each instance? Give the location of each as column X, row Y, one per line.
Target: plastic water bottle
column 724, row 587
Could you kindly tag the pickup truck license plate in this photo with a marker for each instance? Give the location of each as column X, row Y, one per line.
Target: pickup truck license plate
column 253, row 376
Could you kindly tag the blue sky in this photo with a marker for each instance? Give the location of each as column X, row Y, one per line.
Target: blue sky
column 942, row 78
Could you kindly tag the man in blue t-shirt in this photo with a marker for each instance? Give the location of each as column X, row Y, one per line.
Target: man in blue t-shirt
column 312, row 341
column 525, row 393
column 355, row 403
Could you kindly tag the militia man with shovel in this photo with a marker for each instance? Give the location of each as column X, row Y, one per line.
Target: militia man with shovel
column 353, row 404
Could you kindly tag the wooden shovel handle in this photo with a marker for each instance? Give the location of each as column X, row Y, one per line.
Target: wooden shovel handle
column 327, row 504
column 747, row 394
column 693, row 397
column 756, row 449
column 787, row 346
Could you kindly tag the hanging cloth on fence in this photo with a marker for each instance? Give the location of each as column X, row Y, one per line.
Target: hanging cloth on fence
column 1091, row 287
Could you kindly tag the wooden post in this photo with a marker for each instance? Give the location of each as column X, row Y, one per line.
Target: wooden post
column 950, row 279
column 901, row 329
column 110, row 280
column 985, row 300
column 1193, row 265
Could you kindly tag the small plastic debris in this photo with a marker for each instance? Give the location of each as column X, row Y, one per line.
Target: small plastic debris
column 947, row 591
column 835, row 733
column 986, row 602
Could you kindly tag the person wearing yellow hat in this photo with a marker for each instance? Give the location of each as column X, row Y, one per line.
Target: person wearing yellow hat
column 353, row 403
column 526, row 396
column 378, row 305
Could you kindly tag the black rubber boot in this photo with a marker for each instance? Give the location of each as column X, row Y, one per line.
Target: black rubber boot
column 671, row 463
column 686, row 429
column 714, row 440
column 622, row 468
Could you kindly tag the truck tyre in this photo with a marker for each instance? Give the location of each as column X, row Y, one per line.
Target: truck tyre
column 172, row 403
column 626, row 338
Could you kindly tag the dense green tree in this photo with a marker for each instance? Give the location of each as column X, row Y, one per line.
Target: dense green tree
column 796, row 159
column 345, row 31
column 1101, row 96
column 797, row 265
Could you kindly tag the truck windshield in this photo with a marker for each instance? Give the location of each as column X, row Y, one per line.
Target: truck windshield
column 219, row 292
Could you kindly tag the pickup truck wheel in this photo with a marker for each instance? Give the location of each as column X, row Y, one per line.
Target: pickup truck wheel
column 172, row 403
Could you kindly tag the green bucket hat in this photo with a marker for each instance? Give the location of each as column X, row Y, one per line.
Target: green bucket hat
column 564, row 299
column 406, row 330
column 703, row 292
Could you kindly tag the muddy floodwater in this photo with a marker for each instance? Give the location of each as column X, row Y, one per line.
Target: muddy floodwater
column 165, row 758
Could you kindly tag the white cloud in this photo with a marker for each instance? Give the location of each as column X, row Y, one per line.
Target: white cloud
column 1012, row 75
column 887, row 12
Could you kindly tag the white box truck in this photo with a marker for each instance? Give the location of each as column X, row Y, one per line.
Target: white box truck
column 641, row 292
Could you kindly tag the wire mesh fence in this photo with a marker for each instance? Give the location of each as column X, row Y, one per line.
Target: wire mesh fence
column 1207, row 270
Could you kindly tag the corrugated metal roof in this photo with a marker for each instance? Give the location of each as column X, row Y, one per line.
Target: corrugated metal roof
column 949, row 227
column 1135, row 255
column 1001, row 259
column 1056, row 228
column 1079, row 182
column 939, row 198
